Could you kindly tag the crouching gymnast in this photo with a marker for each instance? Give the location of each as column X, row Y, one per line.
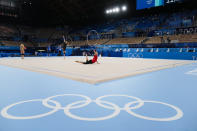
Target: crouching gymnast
column 94, row 60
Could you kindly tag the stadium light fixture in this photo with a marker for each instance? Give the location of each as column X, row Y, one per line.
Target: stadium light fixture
column 124, row 8
column 116, row 10
column 107, row 11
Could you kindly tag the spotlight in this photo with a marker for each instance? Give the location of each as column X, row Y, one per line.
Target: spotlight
column 124, row 8
column 107, row 12
column 117, row 9
column 114, row 10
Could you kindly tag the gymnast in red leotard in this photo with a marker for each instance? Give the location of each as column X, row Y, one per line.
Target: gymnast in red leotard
column 94, row 60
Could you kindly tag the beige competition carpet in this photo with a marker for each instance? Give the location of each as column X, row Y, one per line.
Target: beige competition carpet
column 108, row 69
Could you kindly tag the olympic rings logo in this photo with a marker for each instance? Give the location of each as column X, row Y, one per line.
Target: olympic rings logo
column 129, row 108
column 135, row 55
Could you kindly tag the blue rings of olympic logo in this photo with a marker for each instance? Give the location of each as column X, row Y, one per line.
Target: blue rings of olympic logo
column 130, row 107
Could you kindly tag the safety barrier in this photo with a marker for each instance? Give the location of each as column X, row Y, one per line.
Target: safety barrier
column 157, row 53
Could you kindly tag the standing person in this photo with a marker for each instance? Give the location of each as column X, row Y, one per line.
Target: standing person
column 22, row 50
column 49, row 50
column 94, row 60
column 59, row 50
column 65, row 43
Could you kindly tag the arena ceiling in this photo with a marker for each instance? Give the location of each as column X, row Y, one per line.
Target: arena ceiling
column 72, row 12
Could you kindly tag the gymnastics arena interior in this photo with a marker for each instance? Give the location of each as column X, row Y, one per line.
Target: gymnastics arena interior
column 144, row 78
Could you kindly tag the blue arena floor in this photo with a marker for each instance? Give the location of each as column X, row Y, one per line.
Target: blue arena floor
column 159, row 101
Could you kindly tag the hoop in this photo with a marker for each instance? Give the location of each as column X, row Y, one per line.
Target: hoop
column 90, row 33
